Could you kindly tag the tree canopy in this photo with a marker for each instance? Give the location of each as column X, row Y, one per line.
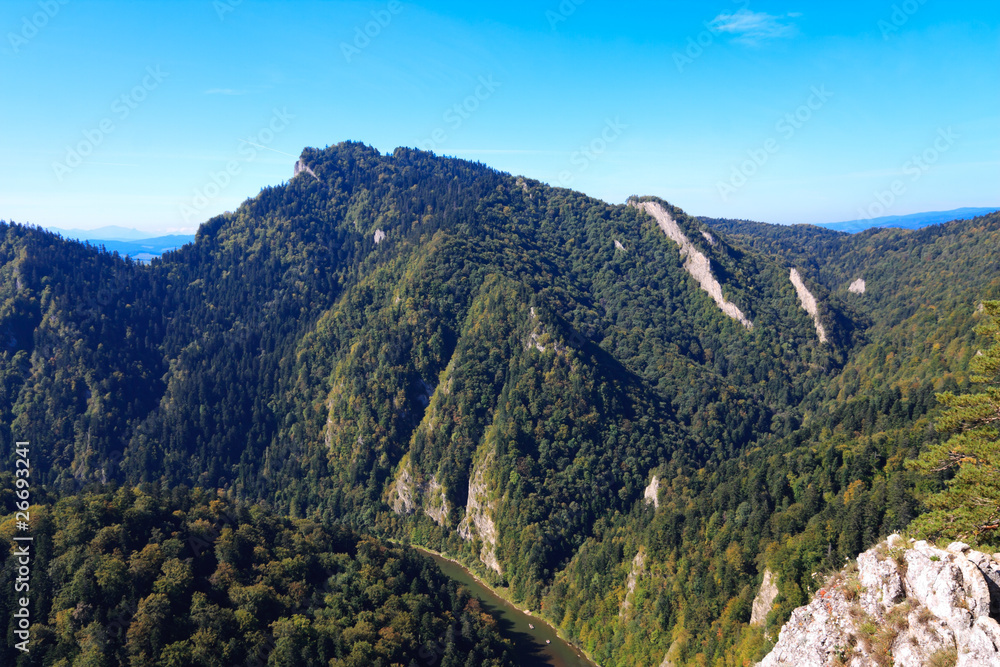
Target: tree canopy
column 968, row 508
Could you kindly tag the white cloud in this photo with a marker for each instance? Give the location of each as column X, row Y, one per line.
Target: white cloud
column 752, row 28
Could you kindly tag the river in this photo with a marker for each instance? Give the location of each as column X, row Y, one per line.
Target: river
column 529, row 642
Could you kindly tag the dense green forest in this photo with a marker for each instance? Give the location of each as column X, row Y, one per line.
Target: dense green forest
column 501, row 373
column 147, row 578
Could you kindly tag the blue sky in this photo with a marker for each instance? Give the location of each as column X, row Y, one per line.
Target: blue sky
column 158, row 115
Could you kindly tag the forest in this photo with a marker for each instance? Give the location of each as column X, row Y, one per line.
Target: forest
column 499, row 374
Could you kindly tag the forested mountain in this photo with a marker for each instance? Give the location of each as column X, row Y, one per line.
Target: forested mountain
column 189, row 578
column 539, row 382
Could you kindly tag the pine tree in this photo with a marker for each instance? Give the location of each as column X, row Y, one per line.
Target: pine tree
column 969, row 506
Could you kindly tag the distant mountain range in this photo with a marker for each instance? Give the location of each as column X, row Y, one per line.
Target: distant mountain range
column 144, row 249
column 127, row 242
column 108, row 232
column 912, row 221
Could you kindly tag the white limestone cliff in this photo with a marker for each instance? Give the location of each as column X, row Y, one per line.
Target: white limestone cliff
column 695, row 262
column 904, row 603
column 301, row 167
column 636, row 571
column 652, row 492
column 808, row 302
column 857, row 287
column 478, row 520
column 764, row 600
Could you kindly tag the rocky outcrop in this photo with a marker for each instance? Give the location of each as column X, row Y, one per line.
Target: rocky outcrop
column 408, row 493
column 436, row 503
column 857, row 287
column 903, row 603
column 478, row 520
column 379, row 236
column 672, row 654
column 695, row 262
column 764, row 600
column 708, row 237
column 638, row 567
column 540, row 340
column 652, row 492
column 808, row 302
column 403, row 492
column 301, row 167
column 618, row 245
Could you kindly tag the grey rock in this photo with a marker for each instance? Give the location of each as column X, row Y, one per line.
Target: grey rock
column 920, row 600
column 765, row 599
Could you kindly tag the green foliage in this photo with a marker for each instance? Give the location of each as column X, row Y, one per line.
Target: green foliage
column 968, row 507
column 138, row 578
column 496, row 333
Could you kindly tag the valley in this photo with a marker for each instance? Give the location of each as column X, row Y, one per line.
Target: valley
column 619, row 413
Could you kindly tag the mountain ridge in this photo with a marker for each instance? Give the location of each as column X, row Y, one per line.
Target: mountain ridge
column 496, row 345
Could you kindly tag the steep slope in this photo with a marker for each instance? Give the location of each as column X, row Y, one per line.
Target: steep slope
column 902, row 603
column 695, row 262
column 140, row 578
column 439, row 352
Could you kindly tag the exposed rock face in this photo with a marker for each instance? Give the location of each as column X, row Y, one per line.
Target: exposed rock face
column 695, row 262
column 638, row 567
column 857, row 287
column 907, row 604
column 379, row 236
column 537, row 336
column 402, row 495
column 407, row 493
column 765, row 599
column 436, row 506
column 708, row 237
column 300, row 167
column 618, row 245
column 672, row 654
column 652, row 492
column 478, row 518
column 808, row 302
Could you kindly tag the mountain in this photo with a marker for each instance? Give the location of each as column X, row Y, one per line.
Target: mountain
column 108, row 232
column 619, row 414
column 190, row 578
column 911, row 221
column 145, row 249
column 902, row 603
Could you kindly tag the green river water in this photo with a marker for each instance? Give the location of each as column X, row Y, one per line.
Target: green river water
column 530, row 642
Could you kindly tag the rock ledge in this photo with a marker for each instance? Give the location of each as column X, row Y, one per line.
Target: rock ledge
column 903, row 603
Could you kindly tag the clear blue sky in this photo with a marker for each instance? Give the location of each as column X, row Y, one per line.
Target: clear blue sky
column 609, row 98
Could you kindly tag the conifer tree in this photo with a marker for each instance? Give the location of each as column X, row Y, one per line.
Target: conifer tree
column 969, row 506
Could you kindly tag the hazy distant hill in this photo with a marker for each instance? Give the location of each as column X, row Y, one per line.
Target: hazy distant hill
column 145, row 249
column 127, row 242
column 912, row 221
column 113, row 232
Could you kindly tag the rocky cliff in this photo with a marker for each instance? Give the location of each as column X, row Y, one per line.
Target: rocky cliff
column 695, row 261
column 903, row 603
